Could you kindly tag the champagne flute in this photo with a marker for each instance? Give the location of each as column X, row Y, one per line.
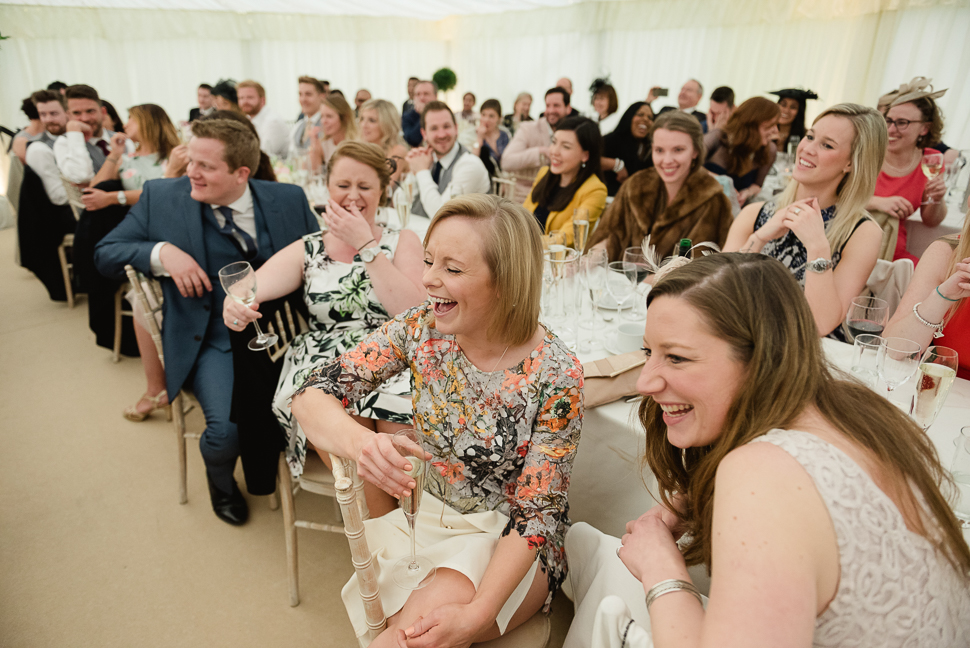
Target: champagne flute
column 403, row 212
column 932, row 164
column 936, row 373
column 620, row 281
column 412, row 572
column 239, row 281
column 593, row 268
column 866, row 315
column 580, row 228
column 898, row 361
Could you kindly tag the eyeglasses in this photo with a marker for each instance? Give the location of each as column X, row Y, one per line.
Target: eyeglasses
column 901, row 124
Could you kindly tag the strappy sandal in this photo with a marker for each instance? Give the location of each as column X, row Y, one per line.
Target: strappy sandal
column 132, row 413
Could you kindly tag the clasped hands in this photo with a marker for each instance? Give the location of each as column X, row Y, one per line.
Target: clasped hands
column 804, row 219
column 420, row 158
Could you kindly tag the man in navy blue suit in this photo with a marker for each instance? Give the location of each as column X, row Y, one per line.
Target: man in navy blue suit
column 183, row 231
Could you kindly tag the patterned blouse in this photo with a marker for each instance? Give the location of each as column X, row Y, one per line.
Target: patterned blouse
column 501, row 441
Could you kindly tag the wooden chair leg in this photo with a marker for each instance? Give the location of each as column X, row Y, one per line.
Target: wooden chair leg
column 116, row 351
column 289, row 530
column 274, row 501
column 65, row 270
column 179, row 417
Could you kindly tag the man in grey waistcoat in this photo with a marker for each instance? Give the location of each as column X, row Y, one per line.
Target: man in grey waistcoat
column 444, row 168
column 86, row 144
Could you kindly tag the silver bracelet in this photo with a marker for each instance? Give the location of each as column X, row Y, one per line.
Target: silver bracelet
column 618, row 165
column 668, row 586
column 937, row 328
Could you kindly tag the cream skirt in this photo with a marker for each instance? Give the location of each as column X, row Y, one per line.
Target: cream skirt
column 466, row 548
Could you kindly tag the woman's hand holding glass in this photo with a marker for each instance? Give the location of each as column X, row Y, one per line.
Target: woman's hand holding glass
column 349, row 226
column 237, row 316
column 380, row 462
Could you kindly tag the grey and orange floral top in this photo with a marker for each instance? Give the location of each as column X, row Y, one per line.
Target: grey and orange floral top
column 501, row 441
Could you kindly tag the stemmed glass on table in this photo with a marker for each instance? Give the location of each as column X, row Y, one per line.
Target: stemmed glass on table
column 239, row 281
column 592, row 274
column 636, row 256
column 932, row 165
column 898, row 361
column 867, row 315
column 621, row 279
column 936, row 373
column 414, row 571
column 580, row 228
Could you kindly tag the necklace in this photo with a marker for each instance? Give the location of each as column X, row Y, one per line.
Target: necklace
column 488, row 382
column 905, row 169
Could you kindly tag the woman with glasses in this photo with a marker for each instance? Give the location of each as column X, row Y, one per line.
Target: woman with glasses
column 914, row 121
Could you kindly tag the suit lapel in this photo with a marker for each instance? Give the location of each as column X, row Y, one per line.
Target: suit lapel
column 192, row 213
column 267, row 212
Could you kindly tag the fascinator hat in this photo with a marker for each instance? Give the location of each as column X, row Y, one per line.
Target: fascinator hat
column 799, row 95
column 226, row 88
column 918, row 88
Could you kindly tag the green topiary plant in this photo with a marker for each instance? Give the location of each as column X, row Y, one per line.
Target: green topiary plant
column 445, row 79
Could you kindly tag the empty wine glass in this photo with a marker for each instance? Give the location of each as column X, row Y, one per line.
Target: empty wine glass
column 636, row 256
column 936, row 373
column 620, row 281
column 932, row 165
column 866, row 315
column 414, row 571
column 898, row 362
column 593, row 267
column 239, row 281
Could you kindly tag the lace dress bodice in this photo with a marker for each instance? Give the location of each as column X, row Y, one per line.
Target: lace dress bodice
column 895, row 588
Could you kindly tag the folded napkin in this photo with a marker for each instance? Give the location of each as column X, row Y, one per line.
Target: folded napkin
column 612, row 378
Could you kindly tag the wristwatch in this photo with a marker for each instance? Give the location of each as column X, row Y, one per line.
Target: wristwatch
column 122, row 198
column 819, row 265
column 369, row 254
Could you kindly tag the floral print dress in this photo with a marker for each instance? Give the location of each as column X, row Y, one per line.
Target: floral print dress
column 502, row 441
column 344, row 309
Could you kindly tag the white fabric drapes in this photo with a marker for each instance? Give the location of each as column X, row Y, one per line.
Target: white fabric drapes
column 846, row 50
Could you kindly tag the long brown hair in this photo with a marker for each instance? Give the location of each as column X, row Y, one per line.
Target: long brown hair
column 753, row 303
column 155, row 129
column 742, row 135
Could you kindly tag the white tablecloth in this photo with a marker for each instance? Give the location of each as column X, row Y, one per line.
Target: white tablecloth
column 608, row 488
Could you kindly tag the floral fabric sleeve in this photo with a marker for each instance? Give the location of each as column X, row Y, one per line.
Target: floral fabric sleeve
column 361, row 370
column 538, row 503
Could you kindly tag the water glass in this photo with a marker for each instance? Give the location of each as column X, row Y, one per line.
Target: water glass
column 865, row 358
column 898, row 361
column 960, row 471
column 562, row 288
column 621, row 281
column 866, row 315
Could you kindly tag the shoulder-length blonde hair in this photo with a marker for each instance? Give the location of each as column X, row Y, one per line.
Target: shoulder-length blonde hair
column 753, row 303
column 513, row 252
column 389, row 121
column 858, row 185
column 961, row 250
column 155, row 129
column 347, row 121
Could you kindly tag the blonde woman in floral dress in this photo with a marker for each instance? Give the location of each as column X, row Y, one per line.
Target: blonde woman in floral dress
column 498, row 404
column 355, row 277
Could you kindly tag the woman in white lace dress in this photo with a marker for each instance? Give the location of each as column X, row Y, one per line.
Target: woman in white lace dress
column 815, row 503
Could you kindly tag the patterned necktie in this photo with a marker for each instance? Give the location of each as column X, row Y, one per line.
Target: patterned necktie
column 247, row 246
column 436, row 172
column 101, row 144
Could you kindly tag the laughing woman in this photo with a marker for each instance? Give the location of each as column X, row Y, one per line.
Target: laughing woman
column 571, row 181
column 819, row 228
column 497, row 402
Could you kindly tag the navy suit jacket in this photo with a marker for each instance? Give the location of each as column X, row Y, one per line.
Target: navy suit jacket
column 166, row 212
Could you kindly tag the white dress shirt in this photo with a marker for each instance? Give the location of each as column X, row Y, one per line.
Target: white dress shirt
column 243, row 215
column 73, row 158
column 40, row 158
column 469, row 176
column 300, row 145
column 273, row 132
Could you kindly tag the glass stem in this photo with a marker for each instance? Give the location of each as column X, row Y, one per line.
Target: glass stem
column 259, row 332
column 410, row 519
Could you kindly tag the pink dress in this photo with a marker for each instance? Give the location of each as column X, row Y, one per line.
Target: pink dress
column 911, row 188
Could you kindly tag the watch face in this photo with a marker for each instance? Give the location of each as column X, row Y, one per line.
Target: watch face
column 368, row 254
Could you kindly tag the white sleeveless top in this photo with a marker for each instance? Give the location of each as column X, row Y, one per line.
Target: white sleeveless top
column 895, row 589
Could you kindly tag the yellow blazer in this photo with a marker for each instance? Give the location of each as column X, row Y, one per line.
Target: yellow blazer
column 591, row 195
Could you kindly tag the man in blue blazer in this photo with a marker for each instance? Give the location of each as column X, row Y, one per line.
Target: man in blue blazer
column 183, row 231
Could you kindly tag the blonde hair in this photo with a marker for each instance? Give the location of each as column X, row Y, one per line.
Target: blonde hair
column 389, row 121
column 961, row 250
column 365, row 153
column 858, row 185
column 513, row 253
column 347, row 121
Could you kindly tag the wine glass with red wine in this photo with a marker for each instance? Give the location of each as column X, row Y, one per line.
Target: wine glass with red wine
column 866, row 315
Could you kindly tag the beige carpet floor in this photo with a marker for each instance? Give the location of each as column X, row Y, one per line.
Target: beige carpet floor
column 95, row 549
